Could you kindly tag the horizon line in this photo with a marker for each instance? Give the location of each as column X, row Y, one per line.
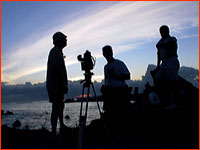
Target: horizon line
column 80, row 79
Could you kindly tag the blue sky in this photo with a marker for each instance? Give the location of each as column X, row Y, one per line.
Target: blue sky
column 130, row 27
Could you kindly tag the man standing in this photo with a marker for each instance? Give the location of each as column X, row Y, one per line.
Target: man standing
column 115, row 90
column 115, row 93
column 167, row 67
column 57, row 83
column 167, row 54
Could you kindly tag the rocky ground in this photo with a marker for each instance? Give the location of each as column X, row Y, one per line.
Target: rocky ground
column 142, row 126
column 172, row 129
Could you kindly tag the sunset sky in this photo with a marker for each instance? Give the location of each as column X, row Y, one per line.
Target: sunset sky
column 130, row 27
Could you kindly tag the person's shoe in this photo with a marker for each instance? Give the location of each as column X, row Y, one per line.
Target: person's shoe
column 63, row 128
column 53, row 133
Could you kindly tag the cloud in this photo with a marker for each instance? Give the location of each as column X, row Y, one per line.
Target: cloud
column 125, row 26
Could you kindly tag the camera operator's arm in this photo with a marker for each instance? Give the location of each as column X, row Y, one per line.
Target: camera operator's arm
column 124, row 77
column 158, row 59
column 121, row 72
column 158, row 46
column 63, row 75
column 119, row 76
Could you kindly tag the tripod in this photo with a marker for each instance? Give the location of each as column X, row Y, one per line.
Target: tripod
column 87, row 83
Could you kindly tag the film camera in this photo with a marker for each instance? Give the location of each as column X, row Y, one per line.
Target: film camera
column 87, row 61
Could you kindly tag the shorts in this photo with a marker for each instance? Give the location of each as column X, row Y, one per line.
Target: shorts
column 168, row 70
column 55, row 96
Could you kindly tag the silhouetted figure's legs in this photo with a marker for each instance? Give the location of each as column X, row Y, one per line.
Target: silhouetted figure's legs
column 54, row 118
column 57, row 112
column 60, row 115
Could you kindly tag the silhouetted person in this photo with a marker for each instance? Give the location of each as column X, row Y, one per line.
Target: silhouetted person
column 57, row 83
column 116, row 94
column 167, row 64
column 115, row 90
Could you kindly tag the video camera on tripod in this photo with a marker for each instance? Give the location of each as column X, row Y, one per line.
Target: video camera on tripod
column 87, row 64
column 87, row 61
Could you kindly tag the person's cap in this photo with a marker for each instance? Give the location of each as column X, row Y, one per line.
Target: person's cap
column 57, row 36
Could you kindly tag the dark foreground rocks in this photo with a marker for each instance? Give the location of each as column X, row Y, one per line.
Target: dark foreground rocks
column 166, row 129
column 41, row 138
column 143, row 126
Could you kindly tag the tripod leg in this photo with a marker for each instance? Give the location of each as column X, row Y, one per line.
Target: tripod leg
column 81, row 121
column 86, row 109
column 96, row 99
column 81, row 102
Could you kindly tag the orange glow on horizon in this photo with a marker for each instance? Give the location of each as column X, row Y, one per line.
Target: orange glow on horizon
column 84, row 96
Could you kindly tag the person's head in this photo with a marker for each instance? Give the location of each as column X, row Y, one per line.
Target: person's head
column 107, row 52
column 59, row 39
column 164, row 31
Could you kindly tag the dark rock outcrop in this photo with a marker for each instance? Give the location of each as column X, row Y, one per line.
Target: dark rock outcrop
column 67, row 117
column 9, row 113
column 17, row 123
column 146, row 126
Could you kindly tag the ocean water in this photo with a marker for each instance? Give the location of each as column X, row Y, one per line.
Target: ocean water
column 35, row 115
